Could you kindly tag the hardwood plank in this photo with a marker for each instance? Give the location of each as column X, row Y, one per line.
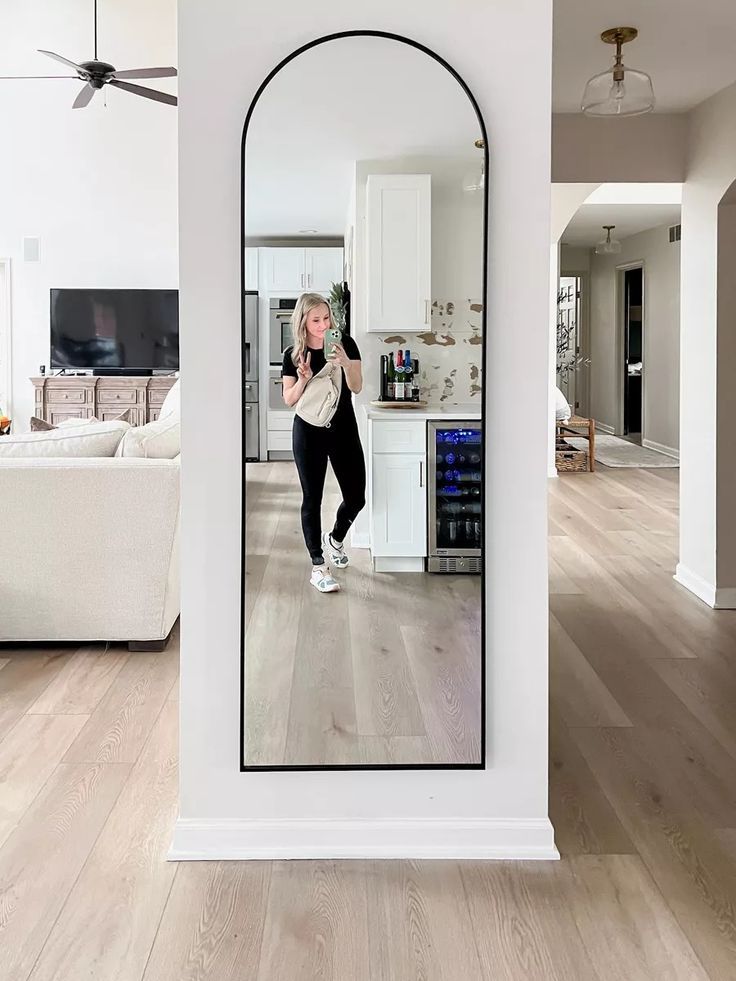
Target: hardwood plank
column 3, row 662
column 691, row 869
column 28, row 756
column 395, row 749
column 109, row 920
column 29, row 671
column 522, row 926
column 84, row 678
column 43, row 856
column 212, row 926
column 419, row 923
column 583, row 819
column 121, row 723
column 578, row 693
column 628, row 929
column 316, row 923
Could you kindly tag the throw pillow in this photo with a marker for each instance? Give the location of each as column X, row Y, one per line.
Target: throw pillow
column 172, row 402
column 158, row 440
column 40, row 425
column 93, row 440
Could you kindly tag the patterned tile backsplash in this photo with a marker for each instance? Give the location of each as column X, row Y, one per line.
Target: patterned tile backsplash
column 449, row 354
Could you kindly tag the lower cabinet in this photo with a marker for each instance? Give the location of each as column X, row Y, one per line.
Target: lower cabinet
column 398, row 495
column 399, row 504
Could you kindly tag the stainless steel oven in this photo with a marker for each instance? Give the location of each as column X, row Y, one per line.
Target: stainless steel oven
column 455, row 489
column 280, row 334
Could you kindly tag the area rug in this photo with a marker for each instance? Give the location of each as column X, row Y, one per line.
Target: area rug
column 612, row 451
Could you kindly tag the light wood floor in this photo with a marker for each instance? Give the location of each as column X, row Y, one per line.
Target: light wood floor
column 386, row 671
column 643, row 797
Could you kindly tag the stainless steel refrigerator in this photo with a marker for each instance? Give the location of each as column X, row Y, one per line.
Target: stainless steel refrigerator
column 250, row 392
column 455, row 489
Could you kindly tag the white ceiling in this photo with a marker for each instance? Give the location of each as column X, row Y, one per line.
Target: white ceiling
column 687, row 46
column 586, row 228
column 346, row 100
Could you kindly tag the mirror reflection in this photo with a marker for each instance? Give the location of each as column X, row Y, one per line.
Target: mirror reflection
column 364, row 192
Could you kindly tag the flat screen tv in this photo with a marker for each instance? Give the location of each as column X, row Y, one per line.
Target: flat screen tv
column 115, row 331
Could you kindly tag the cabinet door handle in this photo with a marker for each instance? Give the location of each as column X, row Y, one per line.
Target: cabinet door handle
column 248, row 408
column 309, row 280
column 301, row 279
column 421, row 473
column 426, row 311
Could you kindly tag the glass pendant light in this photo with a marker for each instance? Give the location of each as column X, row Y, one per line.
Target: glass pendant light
column 474, row 184
column 620, row 91
column 608, row 245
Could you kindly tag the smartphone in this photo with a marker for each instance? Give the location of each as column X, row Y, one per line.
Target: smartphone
column 333, row 335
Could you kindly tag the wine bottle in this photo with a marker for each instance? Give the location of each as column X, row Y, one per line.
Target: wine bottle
column 383, row 391
column 399, row 383
column 415, row 381
column 408, row 375
column 391, row 384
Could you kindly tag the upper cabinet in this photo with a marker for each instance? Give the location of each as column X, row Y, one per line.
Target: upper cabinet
column 294, row 270
column 398, row 252
column 251, row 269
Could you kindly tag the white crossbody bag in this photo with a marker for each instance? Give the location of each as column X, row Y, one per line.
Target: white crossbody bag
column 318, row 402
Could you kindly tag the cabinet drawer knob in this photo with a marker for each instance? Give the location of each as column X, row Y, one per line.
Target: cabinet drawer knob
column 66, row 396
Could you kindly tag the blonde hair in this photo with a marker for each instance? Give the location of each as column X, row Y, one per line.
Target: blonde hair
column 304, row 306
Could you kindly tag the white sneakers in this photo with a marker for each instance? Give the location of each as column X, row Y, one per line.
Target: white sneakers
column 322, row 580
column 334, row 553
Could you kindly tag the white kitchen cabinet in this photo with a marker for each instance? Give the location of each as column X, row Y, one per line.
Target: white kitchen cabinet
column 398, row 495
column 324, row 267
column 294, row 270
column 251, row 269
column 398, row 252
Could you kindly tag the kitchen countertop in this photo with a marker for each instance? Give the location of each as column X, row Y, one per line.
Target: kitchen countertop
column 470, row 410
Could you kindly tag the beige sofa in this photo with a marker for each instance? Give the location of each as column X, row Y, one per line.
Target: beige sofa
column 89, row 549
column 89, row 541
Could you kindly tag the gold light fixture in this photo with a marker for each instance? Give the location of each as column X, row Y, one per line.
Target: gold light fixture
column 620, row 91
column 608, row 245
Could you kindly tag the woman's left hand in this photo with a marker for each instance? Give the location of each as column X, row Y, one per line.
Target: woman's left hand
column 339, row 356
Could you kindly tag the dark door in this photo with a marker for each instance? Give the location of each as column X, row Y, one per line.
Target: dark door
column 633, row 351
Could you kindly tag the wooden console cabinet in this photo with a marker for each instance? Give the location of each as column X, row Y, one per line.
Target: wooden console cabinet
column 60, row 397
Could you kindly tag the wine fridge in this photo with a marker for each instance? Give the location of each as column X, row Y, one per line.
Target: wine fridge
column 455, row 489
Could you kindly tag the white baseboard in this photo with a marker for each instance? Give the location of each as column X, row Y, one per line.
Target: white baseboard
column 718, row 598
column 243, row 840
column 398, row 563
column 696, row 584
column 603, row 427
column 661, row 448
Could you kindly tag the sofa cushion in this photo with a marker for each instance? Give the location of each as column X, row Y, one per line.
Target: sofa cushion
column 158, row 440
column 172, row 402
column 96, row 439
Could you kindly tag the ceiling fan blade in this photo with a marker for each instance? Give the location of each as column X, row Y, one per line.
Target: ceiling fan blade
column 64, row 61
column 145, row 92
column 147, row 73
column 84, row 98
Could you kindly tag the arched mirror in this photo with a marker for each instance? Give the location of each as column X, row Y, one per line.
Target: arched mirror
column 364, row 215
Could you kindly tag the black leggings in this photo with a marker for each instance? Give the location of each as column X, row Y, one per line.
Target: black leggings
column 313, row 447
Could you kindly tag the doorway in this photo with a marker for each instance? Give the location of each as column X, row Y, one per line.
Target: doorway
column 5, row 340
column 633, row 348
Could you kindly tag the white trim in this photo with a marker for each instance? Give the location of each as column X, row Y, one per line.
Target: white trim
column 603, row 427
column 398, row 563
column 661, row 448
column 704, row 590
column 235, row 839
column 6, row 341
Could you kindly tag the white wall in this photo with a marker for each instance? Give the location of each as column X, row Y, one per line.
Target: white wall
column 502, row 810
column 98, row 185
column 661, row 260
column 637, row 148
column 703, row 386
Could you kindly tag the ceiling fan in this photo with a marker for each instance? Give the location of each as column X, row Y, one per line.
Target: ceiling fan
column 96, row 74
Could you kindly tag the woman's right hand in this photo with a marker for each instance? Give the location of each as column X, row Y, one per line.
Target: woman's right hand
column 304, row 368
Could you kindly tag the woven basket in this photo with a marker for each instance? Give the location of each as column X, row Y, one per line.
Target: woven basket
column 570, row 460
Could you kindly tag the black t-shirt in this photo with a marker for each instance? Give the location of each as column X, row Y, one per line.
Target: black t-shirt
column 317, row 363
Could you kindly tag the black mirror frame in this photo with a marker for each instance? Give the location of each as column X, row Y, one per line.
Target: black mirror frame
column 481, row 765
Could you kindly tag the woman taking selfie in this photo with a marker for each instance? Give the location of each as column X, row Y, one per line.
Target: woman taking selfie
column 320, row 384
